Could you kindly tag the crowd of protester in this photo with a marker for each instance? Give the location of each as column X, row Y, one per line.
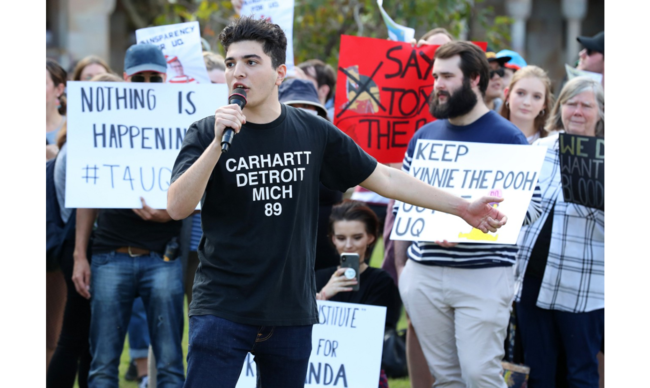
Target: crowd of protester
column 551, row 284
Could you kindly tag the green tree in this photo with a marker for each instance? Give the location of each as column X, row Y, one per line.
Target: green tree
column 318, row 24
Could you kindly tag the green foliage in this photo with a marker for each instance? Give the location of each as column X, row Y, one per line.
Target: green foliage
column 319, row 24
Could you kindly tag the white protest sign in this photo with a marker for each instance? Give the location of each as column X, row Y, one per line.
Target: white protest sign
column 395, row 31
column 346, row 348
column 572, row 72
column 123, row 139
column 470, row 170
column 279, row 12
column 181, row 44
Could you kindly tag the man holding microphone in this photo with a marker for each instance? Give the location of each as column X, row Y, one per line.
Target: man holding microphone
column 254, row 289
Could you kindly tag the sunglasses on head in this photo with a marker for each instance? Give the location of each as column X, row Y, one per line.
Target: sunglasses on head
column 141, row 78
column 499, row 72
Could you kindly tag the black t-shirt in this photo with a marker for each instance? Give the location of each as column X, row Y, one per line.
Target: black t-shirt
column 122, row 227
column 376, row 288
column 326, row 254
column 259, row 215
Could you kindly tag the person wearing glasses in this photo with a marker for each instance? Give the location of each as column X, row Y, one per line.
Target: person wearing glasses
column 494, row 92
column 181, row 77
column 127, row 262
column 145, row 63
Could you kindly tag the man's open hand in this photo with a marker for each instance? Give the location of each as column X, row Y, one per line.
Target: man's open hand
column 481, row 215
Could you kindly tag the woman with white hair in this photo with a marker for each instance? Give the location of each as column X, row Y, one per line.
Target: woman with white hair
column 560, row 266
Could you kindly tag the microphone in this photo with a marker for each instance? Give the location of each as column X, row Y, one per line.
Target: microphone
column 238, row 97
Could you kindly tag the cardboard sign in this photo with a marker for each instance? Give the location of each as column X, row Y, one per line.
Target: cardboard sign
column 382, row 95
column 396, row 31
column 279, row 12
column 181, row 44
column 346, row 348
column 470, row 170
column 582, row 166
column 123, row 139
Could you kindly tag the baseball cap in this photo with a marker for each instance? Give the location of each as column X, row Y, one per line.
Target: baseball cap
column 492, row 57
column 300, row 91
column 516, row 61
column 144, row 57
column 595, row 43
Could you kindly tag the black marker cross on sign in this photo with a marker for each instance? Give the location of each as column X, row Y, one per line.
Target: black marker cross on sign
column 362, row 88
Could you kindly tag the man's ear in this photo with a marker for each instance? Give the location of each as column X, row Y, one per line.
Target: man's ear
column 281, row 74
column 474, row 82
column 126, row 77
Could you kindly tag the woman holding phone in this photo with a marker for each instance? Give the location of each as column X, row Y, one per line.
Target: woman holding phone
column 353, row 228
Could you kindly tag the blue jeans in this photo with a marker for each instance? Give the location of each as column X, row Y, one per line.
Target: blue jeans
column 116, row 280
column 218, row 348
column 138, row 332
column 545, row 332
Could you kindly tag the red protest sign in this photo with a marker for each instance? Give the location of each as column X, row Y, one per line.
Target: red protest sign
column 382, row 93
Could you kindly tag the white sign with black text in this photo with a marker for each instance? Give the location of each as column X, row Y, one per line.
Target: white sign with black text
column 181, row 45
column 123, row 139
column 346, row 348
column 279, row 12
column 470, row 170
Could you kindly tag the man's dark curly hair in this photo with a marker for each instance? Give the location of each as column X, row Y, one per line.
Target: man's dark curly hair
column 271, row 36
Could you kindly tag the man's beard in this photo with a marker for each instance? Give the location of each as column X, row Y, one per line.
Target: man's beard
column 461, row 102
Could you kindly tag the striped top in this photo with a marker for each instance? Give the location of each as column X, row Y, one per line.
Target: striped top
column 197, row 232
column 490, row 128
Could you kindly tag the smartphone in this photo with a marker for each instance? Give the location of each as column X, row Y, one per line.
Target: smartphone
column 351, row 262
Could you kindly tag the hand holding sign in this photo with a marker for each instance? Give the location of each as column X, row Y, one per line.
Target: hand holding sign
column 148, row 213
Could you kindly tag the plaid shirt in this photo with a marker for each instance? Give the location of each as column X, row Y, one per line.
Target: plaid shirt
column 574, row 278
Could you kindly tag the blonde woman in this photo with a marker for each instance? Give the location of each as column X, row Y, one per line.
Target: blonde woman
column 89, row 67
column 560, row 270
column 528, row 101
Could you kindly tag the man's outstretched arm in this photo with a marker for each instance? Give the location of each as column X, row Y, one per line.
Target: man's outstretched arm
column 396, row 184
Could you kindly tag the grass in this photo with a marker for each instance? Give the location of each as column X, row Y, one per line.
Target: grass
column 375, row 261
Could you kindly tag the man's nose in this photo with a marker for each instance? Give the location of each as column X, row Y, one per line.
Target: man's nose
column 239, row 70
